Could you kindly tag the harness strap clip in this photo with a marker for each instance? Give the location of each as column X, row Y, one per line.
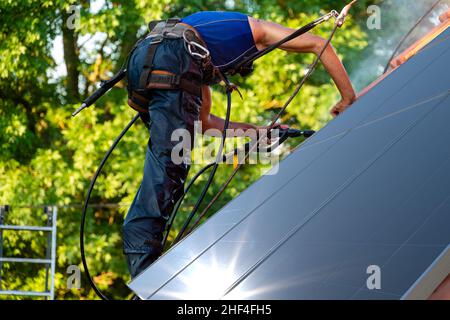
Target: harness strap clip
column 193, row 47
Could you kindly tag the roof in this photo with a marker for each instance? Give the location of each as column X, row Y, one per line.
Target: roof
column 372, row 188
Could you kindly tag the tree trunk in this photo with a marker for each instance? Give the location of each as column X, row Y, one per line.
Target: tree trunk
column 71, row 60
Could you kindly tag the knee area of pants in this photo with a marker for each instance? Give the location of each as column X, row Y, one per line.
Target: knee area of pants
column 153, row 226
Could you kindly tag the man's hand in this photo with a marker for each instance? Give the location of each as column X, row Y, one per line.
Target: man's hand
column 275, row 126
column 265, row 131
column 341, row 106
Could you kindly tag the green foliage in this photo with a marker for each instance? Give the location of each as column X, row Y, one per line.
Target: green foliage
column 47, row 157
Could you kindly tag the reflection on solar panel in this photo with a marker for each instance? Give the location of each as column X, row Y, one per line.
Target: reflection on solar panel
column 372, row 188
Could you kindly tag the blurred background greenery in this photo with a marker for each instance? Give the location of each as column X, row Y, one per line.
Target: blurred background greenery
column 47, row 157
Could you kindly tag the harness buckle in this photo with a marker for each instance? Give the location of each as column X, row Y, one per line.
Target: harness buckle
column 192, row 46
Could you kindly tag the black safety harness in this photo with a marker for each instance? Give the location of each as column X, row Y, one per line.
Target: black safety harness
column 152, row 78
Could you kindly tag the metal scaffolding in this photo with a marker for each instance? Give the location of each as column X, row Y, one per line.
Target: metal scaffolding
column 50, row 258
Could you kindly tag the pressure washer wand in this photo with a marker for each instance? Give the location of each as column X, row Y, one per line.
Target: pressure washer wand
column 284, row 134
column 104, row 87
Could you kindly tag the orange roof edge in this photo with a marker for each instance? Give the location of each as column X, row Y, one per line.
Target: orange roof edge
column 412, row 50
column 416, row 47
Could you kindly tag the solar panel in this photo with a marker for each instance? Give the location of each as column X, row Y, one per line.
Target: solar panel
column 372, row 188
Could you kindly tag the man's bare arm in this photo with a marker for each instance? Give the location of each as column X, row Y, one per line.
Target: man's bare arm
column 266, row 33
column 210, row 121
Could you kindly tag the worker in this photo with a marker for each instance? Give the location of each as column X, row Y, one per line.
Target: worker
column 169, row 77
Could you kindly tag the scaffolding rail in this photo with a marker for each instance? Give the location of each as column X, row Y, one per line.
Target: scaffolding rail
column 50, row 259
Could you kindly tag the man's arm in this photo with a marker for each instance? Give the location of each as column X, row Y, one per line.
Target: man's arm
column 210, row 121
column 266, row 33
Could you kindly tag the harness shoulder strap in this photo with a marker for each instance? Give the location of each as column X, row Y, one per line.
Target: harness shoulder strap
column 158, row 28
column 170, row 23
column 148, row 65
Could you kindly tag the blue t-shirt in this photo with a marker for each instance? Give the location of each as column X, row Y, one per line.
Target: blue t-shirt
column 227, row 35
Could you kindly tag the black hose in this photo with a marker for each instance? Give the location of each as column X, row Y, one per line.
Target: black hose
column 408, row 34
column 105, row 158
column 213, row 172
column 86, row 204
column 175, row 210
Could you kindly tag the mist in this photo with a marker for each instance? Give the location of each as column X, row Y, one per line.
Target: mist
column 397, row 18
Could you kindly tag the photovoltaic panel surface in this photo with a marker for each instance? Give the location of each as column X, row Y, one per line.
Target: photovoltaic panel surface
column 372, row 188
